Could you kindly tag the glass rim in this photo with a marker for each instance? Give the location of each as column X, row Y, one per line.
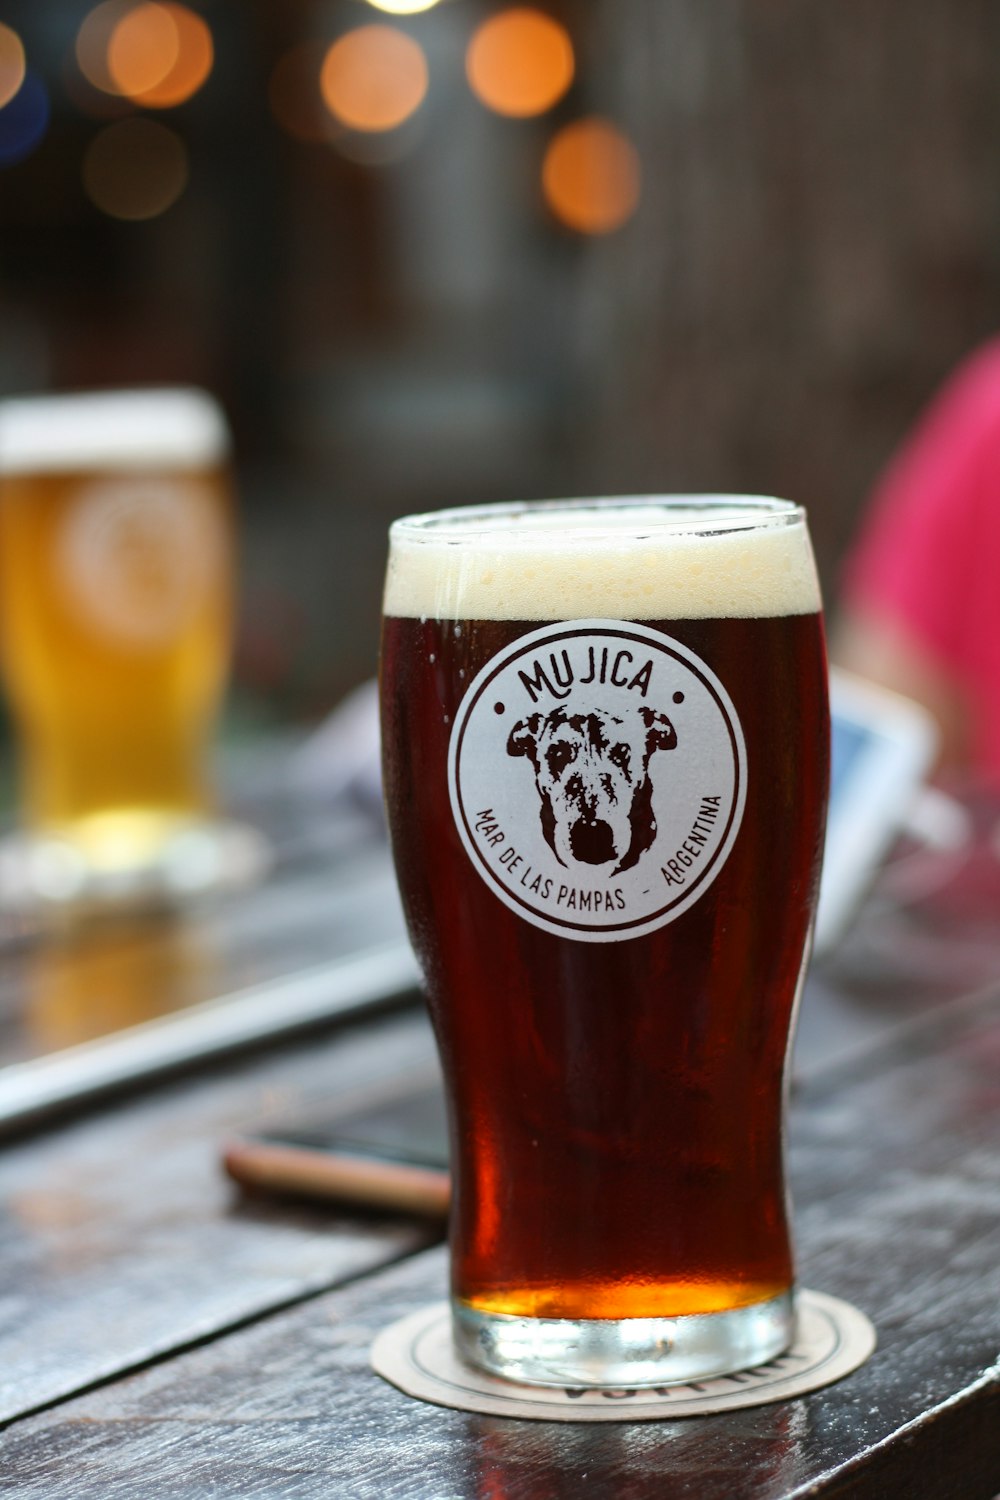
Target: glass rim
column 696, row 514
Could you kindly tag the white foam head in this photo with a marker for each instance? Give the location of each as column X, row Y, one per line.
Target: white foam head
column 179, row 428
column 643, row 558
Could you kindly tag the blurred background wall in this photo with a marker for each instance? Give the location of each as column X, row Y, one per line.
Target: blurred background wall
column 633, row 245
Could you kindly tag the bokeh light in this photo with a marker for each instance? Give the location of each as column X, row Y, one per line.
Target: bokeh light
column 403, row 7
column 293, row 92
column 591, row 176
column 154, row 54
column 135, row 169
column 142, row 49
column 12, row 66
column 94, row 39
column 192, row 64
column 374, row 78
column 520, row 62
column 23, row 121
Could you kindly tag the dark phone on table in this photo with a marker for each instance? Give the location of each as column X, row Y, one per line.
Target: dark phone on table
column 393, row 1155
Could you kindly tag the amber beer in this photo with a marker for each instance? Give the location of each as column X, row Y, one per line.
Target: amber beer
column 115, row 608
column 605, row 733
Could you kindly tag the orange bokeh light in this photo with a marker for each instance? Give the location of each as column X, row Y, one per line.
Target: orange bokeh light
column 192, row 65
column 591, row 176
column 12, row 66
column 94, row 38
column 154, row 54
column 374, row 78
column 135, row 169
column 520, row 62
column 142, row 49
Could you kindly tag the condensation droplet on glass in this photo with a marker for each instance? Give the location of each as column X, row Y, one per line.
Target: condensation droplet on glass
column 432, row 658
column 458, row 630
column 447, row 720
column 461, row 671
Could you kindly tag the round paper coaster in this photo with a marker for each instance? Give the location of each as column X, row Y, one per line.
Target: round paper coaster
column 416, row 1355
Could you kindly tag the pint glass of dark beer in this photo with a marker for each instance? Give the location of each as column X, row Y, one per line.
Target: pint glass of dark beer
column 605, row 733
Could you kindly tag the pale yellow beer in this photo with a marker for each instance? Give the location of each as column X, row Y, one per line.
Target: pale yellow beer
column 115, row 611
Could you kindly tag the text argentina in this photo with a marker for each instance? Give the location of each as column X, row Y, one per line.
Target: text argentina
column 675, row 870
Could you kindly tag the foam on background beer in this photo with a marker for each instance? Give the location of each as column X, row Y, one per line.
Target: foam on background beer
column 584, row 561
column 100, row 430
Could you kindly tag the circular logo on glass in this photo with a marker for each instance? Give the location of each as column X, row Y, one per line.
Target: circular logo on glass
column 141, row 554
column 597, row 773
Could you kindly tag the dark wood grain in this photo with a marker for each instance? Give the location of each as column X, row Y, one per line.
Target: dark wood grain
column 121, row 1246
column 75, row 983
column 897, row 1188
column 120, row 1238
column 926, row 940
column 121, row 1241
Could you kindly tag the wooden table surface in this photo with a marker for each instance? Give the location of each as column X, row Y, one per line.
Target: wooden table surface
column 161, row 1335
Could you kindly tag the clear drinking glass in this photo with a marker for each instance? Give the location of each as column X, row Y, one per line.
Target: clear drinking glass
column 116, row 587
column 606, row 745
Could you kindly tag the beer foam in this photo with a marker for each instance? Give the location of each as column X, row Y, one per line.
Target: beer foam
column 179, row 428
column 737, row 558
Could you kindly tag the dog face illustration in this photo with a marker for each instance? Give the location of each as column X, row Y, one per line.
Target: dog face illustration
column 592, row 775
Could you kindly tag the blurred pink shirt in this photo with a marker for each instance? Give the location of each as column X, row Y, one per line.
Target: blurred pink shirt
column 928, row 558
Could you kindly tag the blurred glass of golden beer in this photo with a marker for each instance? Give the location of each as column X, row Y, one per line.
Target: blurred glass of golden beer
column 115, row 610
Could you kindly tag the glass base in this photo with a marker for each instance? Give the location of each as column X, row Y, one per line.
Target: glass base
column 616, row 1353
column 125, row 861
